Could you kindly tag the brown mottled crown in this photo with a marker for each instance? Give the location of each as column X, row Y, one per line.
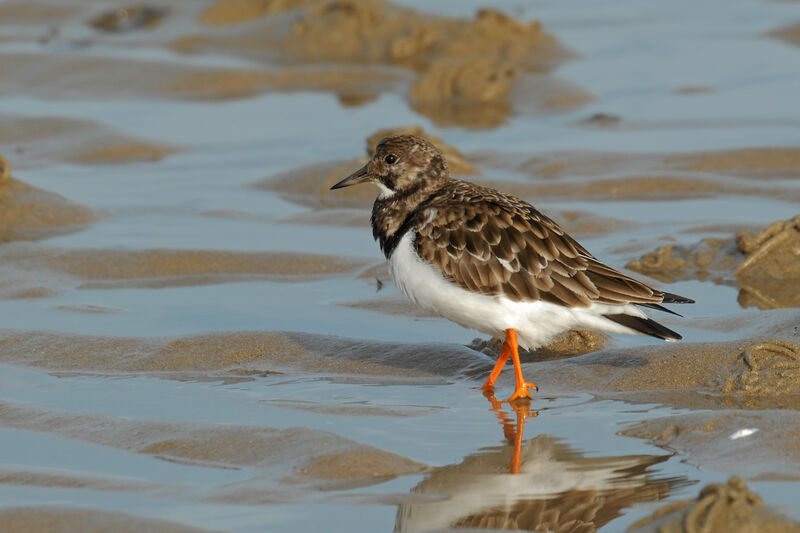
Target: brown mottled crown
column 415, row 160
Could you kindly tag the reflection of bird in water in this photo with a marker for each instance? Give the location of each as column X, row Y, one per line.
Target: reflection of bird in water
column 557, row 489
column 492, row 262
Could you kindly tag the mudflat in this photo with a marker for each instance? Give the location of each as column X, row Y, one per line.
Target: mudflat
column 197, row 335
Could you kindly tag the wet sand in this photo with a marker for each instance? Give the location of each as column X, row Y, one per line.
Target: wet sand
column 171, row 174
column 718, row 507
column 764, row 265
column 29, row 213
column 29, row 265
column 58, row 520
column 31, row 141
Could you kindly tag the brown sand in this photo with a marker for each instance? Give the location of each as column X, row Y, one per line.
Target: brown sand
column 62, row 520
column 230, row 12
column 789, row 34
column 466, row 69
column 634, row 188
column 40, row 140
column 37, row 478
column 390, row 305
column 757, row 372
column 322, row 406
column 70, row 76
column 352, row 84
column 752, row 443
column 694, row 89
column 775, row 162
column 623, row 176
column 28, row 12
column 718, row 507
column 778, row 162
column 583, row 223
column 710, row 259
column 310, row 185
column 766, row 266
column 365, row 31
column 306, row 453
column 241, row 354
column 32, row 267
column 770, row 274
column 28, row 213
column 348, row 218
column 128, row 18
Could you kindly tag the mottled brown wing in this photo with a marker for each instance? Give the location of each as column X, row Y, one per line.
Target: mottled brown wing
column 497, row 247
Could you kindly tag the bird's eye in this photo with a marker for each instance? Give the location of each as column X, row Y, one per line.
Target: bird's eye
column 390, row 159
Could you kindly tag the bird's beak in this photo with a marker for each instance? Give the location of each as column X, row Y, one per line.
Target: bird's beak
column 359, row 176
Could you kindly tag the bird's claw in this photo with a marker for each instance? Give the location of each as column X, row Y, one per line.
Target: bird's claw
column 524, row 391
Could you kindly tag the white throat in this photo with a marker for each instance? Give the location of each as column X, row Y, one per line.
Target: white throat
column 386, row 192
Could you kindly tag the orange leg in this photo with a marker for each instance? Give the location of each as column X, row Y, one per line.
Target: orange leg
column 505, row 353
column 521, row 386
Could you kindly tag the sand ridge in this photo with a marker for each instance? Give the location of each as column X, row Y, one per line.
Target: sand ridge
column 29, row 213
column 29, row 267
column 718, row 507
column 764, row 265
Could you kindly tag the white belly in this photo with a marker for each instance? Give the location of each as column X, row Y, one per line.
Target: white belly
column 536, row 322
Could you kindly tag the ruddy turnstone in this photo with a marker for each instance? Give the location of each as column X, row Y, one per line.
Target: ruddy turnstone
column 492, row 262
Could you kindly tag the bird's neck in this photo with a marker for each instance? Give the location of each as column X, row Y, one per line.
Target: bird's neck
column 393, row 215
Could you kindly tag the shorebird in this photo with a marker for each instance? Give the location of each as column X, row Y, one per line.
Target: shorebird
column 492, row 262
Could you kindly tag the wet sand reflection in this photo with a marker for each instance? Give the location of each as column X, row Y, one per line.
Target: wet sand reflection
column 542, row 484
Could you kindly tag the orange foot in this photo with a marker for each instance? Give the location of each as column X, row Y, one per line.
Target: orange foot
column 510, row 350
column 523, row 391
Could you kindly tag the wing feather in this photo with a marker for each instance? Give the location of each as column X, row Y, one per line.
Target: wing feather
column 495, row 244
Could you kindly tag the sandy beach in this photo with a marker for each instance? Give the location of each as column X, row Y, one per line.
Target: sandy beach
column 196, row 334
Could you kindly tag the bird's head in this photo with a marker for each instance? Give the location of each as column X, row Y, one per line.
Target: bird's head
column 402, row 164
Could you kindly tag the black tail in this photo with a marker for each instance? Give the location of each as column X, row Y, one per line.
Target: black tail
column 670, row 298
column 648, row 326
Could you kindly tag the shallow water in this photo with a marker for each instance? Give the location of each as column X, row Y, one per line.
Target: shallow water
column 631, row 57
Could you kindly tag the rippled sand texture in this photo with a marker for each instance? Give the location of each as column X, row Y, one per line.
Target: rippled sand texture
column 196, row 334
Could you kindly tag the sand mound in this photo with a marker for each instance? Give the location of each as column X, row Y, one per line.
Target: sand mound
column 789, row 34
column 770, row 274
column 709, row 260
column 240, row 354
column 125, row 19
column 28, row 213
column 22, row 476
column 766, row 266
column 81, row 77
column 40, row 139
column 34, row 267
column 749, row 443
column 730, row 507
column 229, row 12
column 62, row 520
column 754, row 372
column 466, row 69
column 306, row 454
